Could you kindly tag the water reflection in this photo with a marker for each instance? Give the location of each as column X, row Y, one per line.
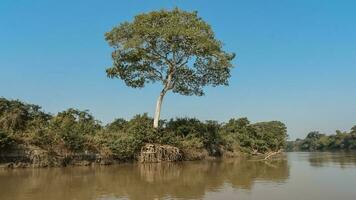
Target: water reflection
column 338, row 159
column 188, row 180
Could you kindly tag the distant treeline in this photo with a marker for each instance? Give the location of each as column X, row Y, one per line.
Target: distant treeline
column 316, row 141
column 74, row 131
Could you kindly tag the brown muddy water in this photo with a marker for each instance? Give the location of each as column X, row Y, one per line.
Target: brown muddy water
column 299, row 176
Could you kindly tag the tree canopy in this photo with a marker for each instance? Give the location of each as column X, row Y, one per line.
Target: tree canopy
column 176, row 48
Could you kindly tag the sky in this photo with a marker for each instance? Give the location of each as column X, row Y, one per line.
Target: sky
column 296, row 60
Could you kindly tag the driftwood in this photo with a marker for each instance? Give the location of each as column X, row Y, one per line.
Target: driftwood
column 158, row 153
column 267, row 155
column 270, row 154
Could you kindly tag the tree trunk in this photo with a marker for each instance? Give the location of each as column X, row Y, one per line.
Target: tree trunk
column 158, row 109
column 167, row 86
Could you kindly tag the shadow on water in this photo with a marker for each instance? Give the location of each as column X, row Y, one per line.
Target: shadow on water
column 139, row 181
column 338, row 159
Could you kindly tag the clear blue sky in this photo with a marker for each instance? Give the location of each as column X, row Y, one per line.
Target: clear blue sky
column 296, row 60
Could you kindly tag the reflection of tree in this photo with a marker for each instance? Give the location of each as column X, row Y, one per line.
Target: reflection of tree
column 145, row 181
column 341, row 159
column 243, row 174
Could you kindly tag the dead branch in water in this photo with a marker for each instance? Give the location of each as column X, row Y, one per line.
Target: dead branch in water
column 270, row 154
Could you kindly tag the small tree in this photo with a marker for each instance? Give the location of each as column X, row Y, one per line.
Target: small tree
column 176, row 48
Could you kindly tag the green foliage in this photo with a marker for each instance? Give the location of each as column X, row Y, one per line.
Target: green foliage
column 44, row 138
column 192, row 133
column 236, row 134
column 119, row 145
column 176, row 48
column 185, row 127
column 76, row 131
column 316, row 141
column 5, row 140
column 124, row 139
column 73, row 127
column 311, row 142
column 16, row 116
column 116, row 126
column 211, row 137
column 269, row 136
column 140, row 127
column 353, row 130
column 239, row 134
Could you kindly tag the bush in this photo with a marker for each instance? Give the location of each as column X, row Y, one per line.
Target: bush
column 236, row 135
column 140, row 128
column 73, row 127
column 117, row 125
column 240, row 135
column 18, row 117
column 118, row 145
column 192, row 133
column 5, row 141
column 44, row 139
column 270, row 136
column 192, row 143
column 124, row 139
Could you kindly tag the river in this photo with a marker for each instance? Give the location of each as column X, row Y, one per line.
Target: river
column 296, row 176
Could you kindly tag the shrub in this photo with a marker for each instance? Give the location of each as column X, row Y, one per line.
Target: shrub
column 18, row 117
column 5, row 140
column 192, row 143
column 195, row 134
column 73, row 127
column 140, row 128
column 124, row 139
column 119, row 145
column 269, row 136
column 44, row 138
column 236, row 135
column 239, row 134
column 117, row 125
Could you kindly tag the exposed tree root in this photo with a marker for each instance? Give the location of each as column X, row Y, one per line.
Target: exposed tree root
column 159, row 153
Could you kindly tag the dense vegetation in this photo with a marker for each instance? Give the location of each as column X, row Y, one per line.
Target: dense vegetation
column 74, row 131
column 316, row 141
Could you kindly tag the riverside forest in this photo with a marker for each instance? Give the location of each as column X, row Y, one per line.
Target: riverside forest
column 316, row 141
column 76, row 137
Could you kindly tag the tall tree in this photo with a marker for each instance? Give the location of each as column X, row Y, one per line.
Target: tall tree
column 176, row 48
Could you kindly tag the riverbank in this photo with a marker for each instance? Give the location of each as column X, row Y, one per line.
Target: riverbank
column 35, row 157
column 32, row 137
